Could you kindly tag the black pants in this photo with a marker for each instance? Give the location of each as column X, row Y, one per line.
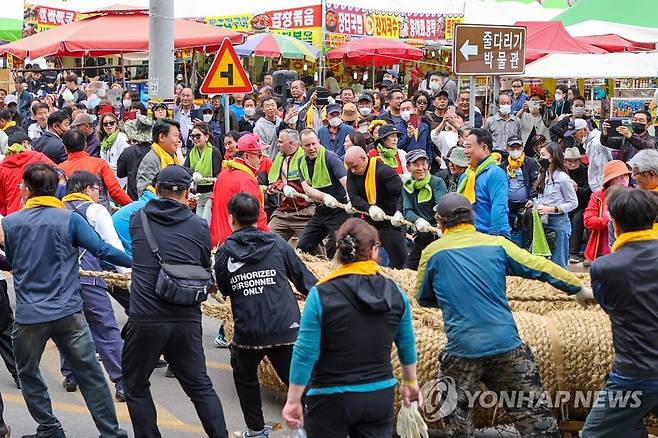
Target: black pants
column 421, row 240
column 245, row 375
column 357, row 414
column 121, row 296
column 395, row 244
column 181, row 344
column 6, row 325
column 3, row 426
column 577, row 231
column 324, row 222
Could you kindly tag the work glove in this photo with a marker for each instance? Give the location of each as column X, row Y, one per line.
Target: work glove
column 585, row 296
column 196, row 177
column 376, row 213
column 398, row 219
column 349, row 209
column 410, row 423
column 289, row 191
column 330, row 201
column 422, row 226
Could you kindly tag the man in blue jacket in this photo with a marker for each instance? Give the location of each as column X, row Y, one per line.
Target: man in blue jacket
column 413, row 137
column 624, row 284
column 332, row 137
column 41, row 244
column 463, row 274
column 255, row 269
column 485, row 184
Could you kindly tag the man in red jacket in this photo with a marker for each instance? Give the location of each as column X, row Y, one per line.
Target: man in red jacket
column 18, row 156
column 238, row 175
column 75, row 143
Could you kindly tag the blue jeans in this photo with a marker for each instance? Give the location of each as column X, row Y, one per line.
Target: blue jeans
column 606, row 421
column 72, row 337
column 561, row 224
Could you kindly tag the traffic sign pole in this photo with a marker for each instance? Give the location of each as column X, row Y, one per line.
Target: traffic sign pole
column 471, row 102
column 227, row 114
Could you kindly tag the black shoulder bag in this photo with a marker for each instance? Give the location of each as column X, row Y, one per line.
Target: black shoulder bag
column 180, row 284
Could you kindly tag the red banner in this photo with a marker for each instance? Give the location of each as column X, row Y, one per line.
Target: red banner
column 296, row 18
column 54, row 17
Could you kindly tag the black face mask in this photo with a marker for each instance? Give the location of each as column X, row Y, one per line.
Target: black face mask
column 544, row 163
column 638, row 128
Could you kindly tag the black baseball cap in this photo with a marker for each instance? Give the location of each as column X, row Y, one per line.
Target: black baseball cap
column 452, row 203
column 442, row 93
column 364, row 98
column 174, row 177
column 514, row 140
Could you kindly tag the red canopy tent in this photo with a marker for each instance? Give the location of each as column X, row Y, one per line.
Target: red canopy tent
column 544, row 37
column 123, row 31
column 614, row 43
column 375, row 51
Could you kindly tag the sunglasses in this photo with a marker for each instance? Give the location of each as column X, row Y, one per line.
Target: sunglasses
column 421, row 101
column 110, row 123
column 195, row 136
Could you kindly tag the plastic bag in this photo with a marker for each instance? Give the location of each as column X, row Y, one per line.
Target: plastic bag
column 410, row 422
column 539, row 243
column 298, row 432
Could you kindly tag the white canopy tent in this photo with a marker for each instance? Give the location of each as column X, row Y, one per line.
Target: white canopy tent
column 633, row 33
column 505, row 13
column 610, row 65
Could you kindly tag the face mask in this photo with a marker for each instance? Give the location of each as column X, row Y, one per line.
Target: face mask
column 293, row 120
column 558, row 97
column 435, row 86
column 578, row 111
column 515, row 154
column 504, row 109
column 544, row 163
column 127, row 103
column 249, row 112
column 207, row 118
column 335, row 121
column 365, row 111
column 638, row 128
column 406, row 115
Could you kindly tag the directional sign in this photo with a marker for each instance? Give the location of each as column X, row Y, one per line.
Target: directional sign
column 488, row 50
column 226, row 75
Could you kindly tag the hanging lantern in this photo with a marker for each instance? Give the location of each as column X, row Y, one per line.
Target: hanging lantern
column 305, row 66
column 315, row 76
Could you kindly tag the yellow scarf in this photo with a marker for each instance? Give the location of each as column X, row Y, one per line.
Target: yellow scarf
column 460, row 227
column 371, row 185
column 9, row 125
column 310, row 116
column 232, row 164
column 77, row 197
column 166, row 159
column 513, row 165
column 467, row 186
column 43, row 201
column 367, row 267
column 634, row 236
column 151, row 189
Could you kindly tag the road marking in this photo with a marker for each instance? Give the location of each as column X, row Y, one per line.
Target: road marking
column 218, row 365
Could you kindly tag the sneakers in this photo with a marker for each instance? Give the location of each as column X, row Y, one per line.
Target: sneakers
column 587, row 263
column 161, row 363
column 251, row 434
column 170, row 373
column 69, row 385
column 119, row 395
column 57, row 434
column 574, row 259
column 220, row 339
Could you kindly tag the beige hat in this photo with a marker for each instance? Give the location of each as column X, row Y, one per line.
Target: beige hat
column 572, row 154
column 350, row 113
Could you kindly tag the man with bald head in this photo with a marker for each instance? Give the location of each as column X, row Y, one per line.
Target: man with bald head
column 375, row 188
column 183, row 115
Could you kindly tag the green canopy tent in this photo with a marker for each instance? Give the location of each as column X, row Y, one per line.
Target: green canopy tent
column 599, row 17
column 11, row 29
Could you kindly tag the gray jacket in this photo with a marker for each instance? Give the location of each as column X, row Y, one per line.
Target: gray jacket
column 148, row 168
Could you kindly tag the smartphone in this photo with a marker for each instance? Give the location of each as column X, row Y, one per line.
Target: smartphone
column 322, row 96
column 130, row 115
column 414, row 120
column 614, row 124
column 196, row 114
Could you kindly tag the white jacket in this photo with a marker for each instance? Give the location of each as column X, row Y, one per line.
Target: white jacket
column 113, row 153
column 597, row 155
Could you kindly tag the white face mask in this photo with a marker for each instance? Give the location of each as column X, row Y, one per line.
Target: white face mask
column 505, row 109
column 435, row 85
column 365, row 111
column 406, row 115
column 207, row 118
column 515, row 154
column 127, row 103
column 335, row 121
column 249, row 112
column 558, row 97
column 578, row 111
column 293, row 120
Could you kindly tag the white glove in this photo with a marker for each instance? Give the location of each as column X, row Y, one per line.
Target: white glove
column 410, row 423
column 349, row 209
column 288, row 191
column 196, row 177
column 585, row 296
column 398, row 219
column 422, row 226
column 330, row 201
column 405, row 177
column 376, row 213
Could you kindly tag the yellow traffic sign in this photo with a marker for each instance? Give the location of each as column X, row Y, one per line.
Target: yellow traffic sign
column 226, row 75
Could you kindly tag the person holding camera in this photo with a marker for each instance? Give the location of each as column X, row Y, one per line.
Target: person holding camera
column 628, row 141
column 532, row 120
column 172, row 245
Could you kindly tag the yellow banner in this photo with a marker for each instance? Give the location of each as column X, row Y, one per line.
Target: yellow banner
column 311, row 35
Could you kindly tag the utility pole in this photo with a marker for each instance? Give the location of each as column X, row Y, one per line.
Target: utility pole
column 161, row 50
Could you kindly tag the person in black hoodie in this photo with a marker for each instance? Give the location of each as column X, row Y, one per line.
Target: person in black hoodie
column 255, row 269
column 154, row 326
column 139, row 135
column 578, row 174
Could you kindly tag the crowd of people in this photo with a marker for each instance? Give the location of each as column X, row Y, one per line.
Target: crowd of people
column 384, row 178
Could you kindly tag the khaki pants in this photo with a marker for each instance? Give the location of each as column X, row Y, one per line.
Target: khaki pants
column 290, row 224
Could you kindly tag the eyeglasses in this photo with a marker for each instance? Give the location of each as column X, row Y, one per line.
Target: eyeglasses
column 421, row 101
column 110, row 123
column 634, row 173
column 517, row 86
column 195, row 136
